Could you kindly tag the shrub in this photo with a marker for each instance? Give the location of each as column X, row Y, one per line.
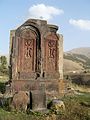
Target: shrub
column 2, row 88
column 74, row 110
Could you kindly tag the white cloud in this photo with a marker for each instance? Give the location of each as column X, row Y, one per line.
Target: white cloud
column 82, row 24
column 44, row 11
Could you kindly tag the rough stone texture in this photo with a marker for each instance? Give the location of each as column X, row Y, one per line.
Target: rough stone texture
column 60, row 61
column 36, row 58
column 38, row 100
column 21, row 101
column 57, row 105
column 11, row 54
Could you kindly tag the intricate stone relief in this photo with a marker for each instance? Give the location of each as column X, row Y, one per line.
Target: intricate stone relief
column 51, row 53
column 28, row 48
column 52, row 48
column 37, row 58
column 28, row 55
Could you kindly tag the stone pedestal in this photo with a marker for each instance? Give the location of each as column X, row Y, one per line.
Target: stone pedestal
column 51, row 88
column 38, row 100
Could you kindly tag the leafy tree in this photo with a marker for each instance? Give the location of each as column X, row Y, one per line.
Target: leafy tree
column 3, row 60
column 3, row 65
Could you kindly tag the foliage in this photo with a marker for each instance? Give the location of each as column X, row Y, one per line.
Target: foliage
column 78, row 78
column 3, row 60
column 81, row 79
column 2, row 87
column 3, row 65
column 73, row 111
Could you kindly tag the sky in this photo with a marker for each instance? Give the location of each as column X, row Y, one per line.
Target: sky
column 72, row 17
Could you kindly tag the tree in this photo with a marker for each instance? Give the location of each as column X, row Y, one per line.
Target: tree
column 3, row 64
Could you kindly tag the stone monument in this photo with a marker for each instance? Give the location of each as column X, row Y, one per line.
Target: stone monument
column 36, row 58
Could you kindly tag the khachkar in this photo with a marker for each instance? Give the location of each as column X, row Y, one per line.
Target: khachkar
column 36, row 58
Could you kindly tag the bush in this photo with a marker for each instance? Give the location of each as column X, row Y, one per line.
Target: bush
column 74, row 110
column 2, row 88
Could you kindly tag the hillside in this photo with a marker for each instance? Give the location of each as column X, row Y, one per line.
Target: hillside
column 70, row 66
column 83, row 51
column 77, row 59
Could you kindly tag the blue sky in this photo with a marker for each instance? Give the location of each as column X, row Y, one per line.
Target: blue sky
column 72, row 17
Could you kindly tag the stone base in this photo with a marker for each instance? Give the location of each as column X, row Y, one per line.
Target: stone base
column 53, row 88
column 38, row 100
column 41, row 110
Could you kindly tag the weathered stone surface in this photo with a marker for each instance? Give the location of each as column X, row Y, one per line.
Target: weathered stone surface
column 35, row 50
column 51, row 87
column 36, row 58
column 57, row 105
column 38, row 100
column 21, row 101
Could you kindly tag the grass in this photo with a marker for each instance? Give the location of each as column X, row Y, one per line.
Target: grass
column 14, row 115
column 74, row 111
column 85, row 97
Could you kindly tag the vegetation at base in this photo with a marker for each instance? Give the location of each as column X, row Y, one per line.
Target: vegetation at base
column 5, row 115
column 74, row 111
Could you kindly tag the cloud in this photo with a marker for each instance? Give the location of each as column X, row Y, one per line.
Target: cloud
column 44, row 11
column 82, row 24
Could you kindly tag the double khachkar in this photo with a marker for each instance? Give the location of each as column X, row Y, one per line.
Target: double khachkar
column 36, row 58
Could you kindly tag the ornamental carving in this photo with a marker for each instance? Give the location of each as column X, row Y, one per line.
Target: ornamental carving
column 51, row 53
column 28, row 50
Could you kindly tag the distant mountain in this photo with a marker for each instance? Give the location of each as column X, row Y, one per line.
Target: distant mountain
column 77, row 59
column 83, row 51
